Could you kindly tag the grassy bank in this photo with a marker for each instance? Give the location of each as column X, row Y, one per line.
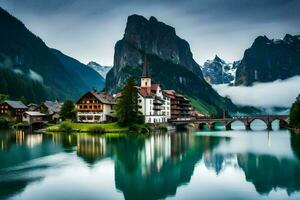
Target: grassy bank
column 84, row 127
column 96, row 128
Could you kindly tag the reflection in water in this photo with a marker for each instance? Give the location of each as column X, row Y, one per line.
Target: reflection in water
column 295, row 144
column 268, row 172
column 89, row 147
column 149, row 167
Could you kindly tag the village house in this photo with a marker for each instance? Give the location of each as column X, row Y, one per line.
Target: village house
column 13, row 109
column 34, row 117
column 180, row 105
column 51, row 109
column 154, row 105
column 95, row 107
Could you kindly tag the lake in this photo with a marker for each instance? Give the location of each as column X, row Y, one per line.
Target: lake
column 191, row 164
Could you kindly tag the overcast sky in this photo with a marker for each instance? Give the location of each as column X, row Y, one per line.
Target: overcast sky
column 88, row 29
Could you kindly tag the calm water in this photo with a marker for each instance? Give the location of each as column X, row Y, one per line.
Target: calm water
column 189, row 165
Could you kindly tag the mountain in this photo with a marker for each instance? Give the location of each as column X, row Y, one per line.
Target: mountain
column 152, row 37
column 171, row 73
column 86, row 74
column 32, row 71
column 102, row 70
column 217, row 71
column 268, row 60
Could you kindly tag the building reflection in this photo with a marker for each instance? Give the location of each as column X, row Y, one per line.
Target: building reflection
column 91, row 148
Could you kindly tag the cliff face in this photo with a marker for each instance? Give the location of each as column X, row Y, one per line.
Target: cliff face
column 170, row 61
column 267, row 60
column 152, row 37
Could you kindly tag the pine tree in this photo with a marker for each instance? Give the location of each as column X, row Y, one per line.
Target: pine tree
column 127, row 108
column 68, row 110
column 295, row 113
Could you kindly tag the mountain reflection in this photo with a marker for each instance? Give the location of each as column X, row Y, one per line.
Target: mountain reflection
column 268, row 172
column 147, row 167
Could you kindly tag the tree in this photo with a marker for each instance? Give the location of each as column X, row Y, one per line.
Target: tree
column 68, row 110
column 295, row 113
column 127, row 108
column 3, row 97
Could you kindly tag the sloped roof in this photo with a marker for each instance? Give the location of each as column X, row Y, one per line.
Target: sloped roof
column 53, row 106
column 170, row 93
column 34, row 113
column 103, row 97
column 146, row 92
column 154, row 87
column 16, row 104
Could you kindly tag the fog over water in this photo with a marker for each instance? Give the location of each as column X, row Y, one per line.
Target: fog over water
column 280, row 93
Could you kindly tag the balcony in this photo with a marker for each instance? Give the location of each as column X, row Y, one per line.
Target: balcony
column 158, row 101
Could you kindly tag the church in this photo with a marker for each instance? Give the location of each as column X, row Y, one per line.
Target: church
column 154, row 105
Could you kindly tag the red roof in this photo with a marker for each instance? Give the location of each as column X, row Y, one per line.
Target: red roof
column 145, row 91
column 148, row 91
column 154, row 87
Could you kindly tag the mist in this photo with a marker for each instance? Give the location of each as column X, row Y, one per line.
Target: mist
column 35, row 76
column 280, row 93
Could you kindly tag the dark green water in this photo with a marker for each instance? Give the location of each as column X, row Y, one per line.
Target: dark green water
column 190, row 165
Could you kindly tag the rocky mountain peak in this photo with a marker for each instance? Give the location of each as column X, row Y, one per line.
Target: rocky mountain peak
column 268, row 60
column 218, row 59
column 217, row 71
column 150, row 36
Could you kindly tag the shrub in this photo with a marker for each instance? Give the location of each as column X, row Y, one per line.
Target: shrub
column 5, row 123
column 65, row 127
column 163, row 128
column 144, row 130
column 134, row 128
column 97, row 129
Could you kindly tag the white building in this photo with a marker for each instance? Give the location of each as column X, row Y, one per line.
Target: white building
column 155, row 106
column 95, row 107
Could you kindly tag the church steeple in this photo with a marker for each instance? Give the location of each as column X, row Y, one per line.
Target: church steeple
column 146, row 78
column 146, row 73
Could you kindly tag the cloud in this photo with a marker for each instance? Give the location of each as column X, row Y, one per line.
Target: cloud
column 35, row 76
column 280, row 93
column 18, row 71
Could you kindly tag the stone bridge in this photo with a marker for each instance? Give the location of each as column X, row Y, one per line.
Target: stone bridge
column 246, row 120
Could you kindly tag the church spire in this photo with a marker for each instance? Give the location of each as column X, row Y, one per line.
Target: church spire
column 146, row 73
column 146, row 79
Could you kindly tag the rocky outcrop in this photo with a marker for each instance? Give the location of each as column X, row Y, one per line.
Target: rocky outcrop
column 268, row 60
column 152, row 37
column 217, row 71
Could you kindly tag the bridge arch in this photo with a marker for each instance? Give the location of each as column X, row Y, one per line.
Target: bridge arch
column 202, row 124
column 265, row 121
column 214, row 123
column 283, row 123
column 228, row 125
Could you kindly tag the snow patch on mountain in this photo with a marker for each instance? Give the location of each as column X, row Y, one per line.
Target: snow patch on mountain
column 217, row 71
column 102, row 70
